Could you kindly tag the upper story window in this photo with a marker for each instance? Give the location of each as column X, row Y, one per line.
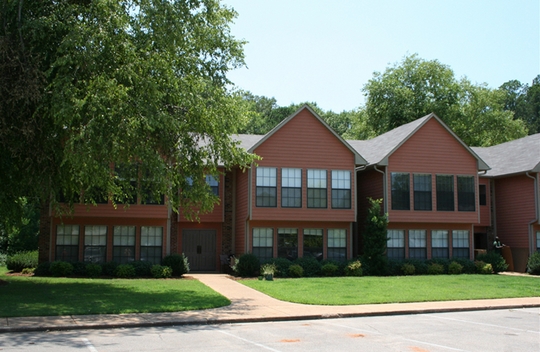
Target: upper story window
column 400, row 191
column 466, row 197
column 445, row 192
column 291, row 188
column 422, row 192
column 482, row 194
column 316, row 189
column 266, row 187
column 341, row 189
column 213, row 183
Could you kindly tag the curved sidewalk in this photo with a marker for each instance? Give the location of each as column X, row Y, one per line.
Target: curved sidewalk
column 249, row 305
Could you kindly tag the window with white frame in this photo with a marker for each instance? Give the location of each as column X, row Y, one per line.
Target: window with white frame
column 291, row 188
column 287, row 241
column 313, row 243
column 439, row 244
column 263, row 243
column 151, row 244
column 316, row 189
column 341, row 189
column 417, row 244
column 67, row 243
column 395, row 244
column 460, row 244
column 266, row 182
column 95, row 243
column 400, row 191
column 445, row 192
column 466, row 196
column 213, row 183
column 337, row 244
column 422, row 192
column 123, row 244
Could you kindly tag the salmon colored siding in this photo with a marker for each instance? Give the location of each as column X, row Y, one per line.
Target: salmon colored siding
column 485, row 210
column 370, row 184
column 241, row 211
column 133, row 211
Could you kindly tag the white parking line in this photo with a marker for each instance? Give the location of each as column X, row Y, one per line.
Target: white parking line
column 248, row 341
column 483, row 324
column 433, row 344
column 89, row 345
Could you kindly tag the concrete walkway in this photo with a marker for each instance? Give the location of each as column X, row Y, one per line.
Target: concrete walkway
column 248, row 305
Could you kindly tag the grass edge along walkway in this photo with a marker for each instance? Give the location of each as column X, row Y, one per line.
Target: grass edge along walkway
column 396, row 289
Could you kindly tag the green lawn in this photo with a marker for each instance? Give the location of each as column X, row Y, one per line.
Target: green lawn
column 369, row 290
column 37, row 296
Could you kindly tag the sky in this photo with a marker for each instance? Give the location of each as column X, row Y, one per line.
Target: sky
column 325, row 51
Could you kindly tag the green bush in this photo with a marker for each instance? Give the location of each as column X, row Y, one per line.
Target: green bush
column 483, row 267
column 408, row 269
column 59, row 268
column 142, row 268
column 533, row 264
column 18, row 261
column 108, row 268
column 441, row 261
column 420, row 266
column 282, row 265
column 160, row 271
column 354, row 268
column 329, row 269
column 43, row 269
column 79, row 268
column 468, row 265
column 27, row 271
column 93, row 270
column 248, row 265
column 495, row 259
column 311, row 266
column 178, row 263
column 435, row 269
column 454, row 268
column 125, row 271
column 3, row 258
column 295, row 270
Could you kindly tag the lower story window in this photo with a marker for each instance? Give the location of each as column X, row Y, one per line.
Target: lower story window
column 123, row 244
column 313, row 243
column 67, row 243
column 151, row 244
column 396, row 244
column 460, row 244
column 95, row 243
column 439, row 244
column 417, row 244
column 337, row 244
column 288, row 243
column 263, row 243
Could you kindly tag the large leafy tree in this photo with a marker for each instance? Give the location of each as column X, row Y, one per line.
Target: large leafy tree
column 139, row 84
column 524, row 101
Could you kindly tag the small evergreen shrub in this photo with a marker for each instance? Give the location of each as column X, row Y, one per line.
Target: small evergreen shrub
column 124, row 271
column 18, row 261
column 268, row 269
column 408, row 269
column 311, row 266
column 533, row 264
column 142, row 268
column 296, row 270
column 454, row 268
column 354, row 268
column 420, row 266
column 109, row 268
column 495, row 259
column 248, row 265
column 468, row 265
column 435, row 269
column 43, row 269
column 59, row 268
column 27, row 271
column 394, row 267
column 282, row 265
column 160, row 271
column 79, row 268
column 329, row 269
column 93, row 270
column 178, row 264
column 483, row 267
column 441, row 261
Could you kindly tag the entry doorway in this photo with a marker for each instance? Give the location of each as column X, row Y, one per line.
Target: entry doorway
column 199, row 246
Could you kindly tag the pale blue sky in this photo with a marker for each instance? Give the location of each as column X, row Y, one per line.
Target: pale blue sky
column 325, row 51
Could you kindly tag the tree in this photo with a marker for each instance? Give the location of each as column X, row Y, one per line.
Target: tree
column 375, row 239
column 524, row 101
column 139, row 84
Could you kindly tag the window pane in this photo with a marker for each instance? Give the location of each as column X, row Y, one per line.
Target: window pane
column 151, row 240
column 263, row 239
column 67, row 243
column 422, row 192
column 316, row 198
column 266, row 192
column 460, row 244
column 291, row 188
column 341, row 189
column 337, row 244
column 400, row 191
column 123, row 244
column 95, row 243
column 417, row 244
column 288, row 243
column 396, row 244
column 266, row 176
column 439, row 244
column 313, row 243
column 213, row 184
column 445, row 193
column 465, row 193
column 316, row 178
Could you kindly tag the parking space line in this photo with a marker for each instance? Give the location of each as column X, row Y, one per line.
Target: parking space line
column 248, row 341
column 89, row 345
column 483, row 324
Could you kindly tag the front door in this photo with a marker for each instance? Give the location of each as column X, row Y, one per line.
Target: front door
column 200, row 248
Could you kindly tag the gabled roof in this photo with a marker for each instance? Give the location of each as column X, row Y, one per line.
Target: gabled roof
column 514, row 157
column 378, row 150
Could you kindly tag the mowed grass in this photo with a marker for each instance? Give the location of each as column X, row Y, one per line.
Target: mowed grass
column 39, row 296
column 396, row 289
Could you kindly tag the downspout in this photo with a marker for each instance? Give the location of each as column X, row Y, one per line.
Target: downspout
column 246, row 231
column 478, row 198
column 385, row 190
column 532, row 245
column 233, row 220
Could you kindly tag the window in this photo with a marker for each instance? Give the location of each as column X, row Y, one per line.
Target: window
column 460, row 244
column 337, row 244
column 422, row 192
column 263, row 243
column 151, row 244
column 213, row 183
column 95, row 243
column 313, row 243
column 445, row 193
column 266, row 187
column 67, row 243
column 341, row 189
column 288, row 243
column 465, row 186
column 400, row 191
column 396, row 244
column 316, row 189
column 439, row 244
column 538, row 241
column 291, row 188
column 123, row 244
column 417, row 244
column 482, row 194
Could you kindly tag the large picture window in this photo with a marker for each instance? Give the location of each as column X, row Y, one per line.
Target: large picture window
column 263, row 243
column 400, row 191
column 95, row 243
column 123, row 244
column 291, row 188
column 266, row 187
column 67, row 243
column 445, row 193
column 422, row 192
column 460, row 244
column 337, row 245
column 439, row 244
column 417, row 244
column 466, row 197
column 341, row 189
column 313, row 243
column 316, row 189
column 151, row 244
column 288, row 243
column 396, row 244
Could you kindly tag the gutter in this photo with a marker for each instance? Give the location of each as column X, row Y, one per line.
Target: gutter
column 532, row 245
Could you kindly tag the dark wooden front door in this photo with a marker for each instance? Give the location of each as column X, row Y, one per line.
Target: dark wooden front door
column 200, row 248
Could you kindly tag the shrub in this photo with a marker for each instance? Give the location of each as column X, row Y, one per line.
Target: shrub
column 43, row 269
column 282, row 266
column 408, row 269
column 435, row 269
column 27, row 271
column 109, row 268
column 483, row 267
column 160, row 271
column 495, row 259
column 311, row 266
column 441, row 261
column 296, row 270
column 79, row 268
column 18, row 261
column 533, row 264
column 329, row 269
column 394, row 267
column 454, row 268
column 354, row 268
column 268, row 269
column 142, row 268
column 178, row 263
column 248, row 265
column 3, row 258
column 124, row 271
column 468, row 265
column 375, row 238
column 93, row 270
column 59, row 268
column 420, row 266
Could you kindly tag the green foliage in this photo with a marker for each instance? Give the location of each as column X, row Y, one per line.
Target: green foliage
column 296, row 270
column 329, row 269
column 311, row 266
column 248, row 265
column 282, row 265
column 495, row 259
column 375, row 239
column 268, row 269
column 19, row 231
column 109, row 268
column 524, row 101
column 441, row 261
column 43, row 269
column 354, row 268
column 93, row 270
column 79, row 268
column 28, row 271
column 468, row 265
column 408, row 269
column 483, row 267
column 18, row 261
column 533, row 264
column 178, row 263
column 161, row 272
column 435, row 269
column 3, row 258
column 142, row 268
column 454, row 268
column 420, row 266
column 59, row 268
column 125, row 271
